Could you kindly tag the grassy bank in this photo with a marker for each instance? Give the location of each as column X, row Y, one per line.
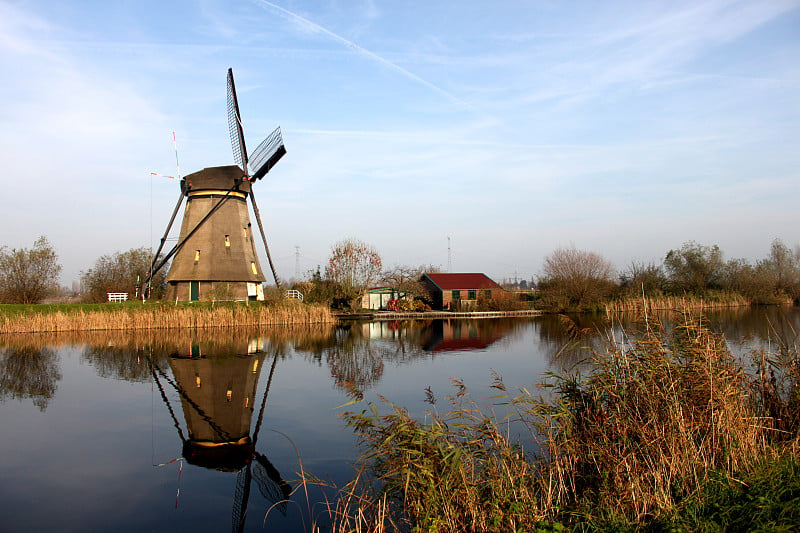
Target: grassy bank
column 667, row 432
column 156, row 315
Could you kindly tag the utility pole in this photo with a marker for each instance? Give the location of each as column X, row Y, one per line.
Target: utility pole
column 297, row 263
column 449, row 256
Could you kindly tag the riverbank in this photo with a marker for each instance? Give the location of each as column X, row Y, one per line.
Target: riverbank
column 157, row 315
column 431, row 315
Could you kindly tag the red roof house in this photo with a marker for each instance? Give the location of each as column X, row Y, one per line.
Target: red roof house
column 457, row 290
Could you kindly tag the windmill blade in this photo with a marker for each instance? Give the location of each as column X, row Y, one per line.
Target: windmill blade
column 235, row 125
column 267, row 154
column 270, row 483
column 264, row 238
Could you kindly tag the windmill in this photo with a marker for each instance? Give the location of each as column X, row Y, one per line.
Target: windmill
column 215, row 253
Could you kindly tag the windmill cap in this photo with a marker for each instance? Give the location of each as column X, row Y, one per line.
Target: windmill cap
column 218, row 178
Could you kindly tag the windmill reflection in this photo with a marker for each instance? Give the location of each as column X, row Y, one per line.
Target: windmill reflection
column 217, row 386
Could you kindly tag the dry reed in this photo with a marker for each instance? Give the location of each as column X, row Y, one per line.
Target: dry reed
column 668, row 303
column 164, row 317
column 169, row 339
column 661, row 413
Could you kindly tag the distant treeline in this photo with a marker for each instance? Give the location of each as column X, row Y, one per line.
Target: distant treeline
column 574, row 279
column 570, row 279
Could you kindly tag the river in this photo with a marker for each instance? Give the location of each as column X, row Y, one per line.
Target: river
column 210, row 431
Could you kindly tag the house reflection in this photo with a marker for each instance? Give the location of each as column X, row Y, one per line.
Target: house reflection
column 464, row 335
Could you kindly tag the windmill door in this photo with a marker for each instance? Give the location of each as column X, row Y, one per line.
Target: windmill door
column 194, row 290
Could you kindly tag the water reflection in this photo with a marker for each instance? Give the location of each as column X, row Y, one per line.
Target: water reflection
column 29, row 371
column 217, row 385
column 217, row 398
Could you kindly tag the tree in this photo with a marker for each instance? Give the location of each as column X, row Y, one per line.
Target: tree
column 694, row 268
column 27, row 276
column 782, row 269
column 406, row 279
column 121, row 272
column 354, row 265
column 640, row 277
column 575, row 278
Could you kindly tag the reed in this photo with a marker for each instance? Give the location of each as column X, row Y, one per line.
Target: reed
column 712, row 300
column 137, row 316
column 171, row 338
column 663, row 414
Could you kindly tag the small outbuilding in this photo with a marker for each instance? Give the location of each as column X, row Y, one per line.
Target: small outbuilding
column 378, row 297
column 460, row 290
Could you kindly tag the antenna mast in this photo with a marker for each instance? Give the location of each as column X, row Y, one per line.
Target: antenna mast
column 449, row 256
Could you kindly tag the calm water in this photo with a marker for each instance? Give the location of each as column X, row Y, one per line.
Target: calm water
column 206, row 432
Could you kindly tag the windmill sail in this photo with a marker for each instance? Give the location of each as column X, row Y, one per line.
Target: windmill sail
column 267, row 154
column 235, row 125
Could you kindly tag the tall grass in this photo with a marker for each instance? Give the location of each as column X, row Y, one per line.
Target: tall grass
column 138, row 316
column 711, row 300
column 168, row 339
column 660, row 415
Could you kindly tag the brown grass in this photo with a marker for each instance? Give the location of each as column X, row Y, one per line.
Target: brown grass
column 165, row 317
column 661, row 411
column 169, row 338
column 668, row 303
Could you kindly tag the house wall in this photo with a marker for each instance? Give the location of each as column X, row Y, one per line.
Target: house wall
column 443, row 299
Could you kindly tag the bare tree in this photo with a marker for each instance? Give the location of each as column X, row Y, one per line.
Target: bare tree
column 27, row 276
column 354, row 265
column 406, row 279
column 640, row 277
column 575, row 278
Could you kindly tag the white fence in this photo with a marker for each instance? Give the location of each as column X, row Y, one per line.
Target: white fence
column 117, row 296
column 294, row 295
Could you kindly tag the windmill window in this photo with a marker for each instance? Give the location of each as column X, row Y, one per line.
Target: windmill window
column 227, row 241
column 197, row 381
column 244, row 232
column 253, row 267
column 196, row 256
column 255, row 366
column 228, row 395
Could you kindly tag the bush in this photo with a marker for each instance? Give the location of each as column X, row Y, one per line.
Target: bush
column 575, row 280
column 407, row 305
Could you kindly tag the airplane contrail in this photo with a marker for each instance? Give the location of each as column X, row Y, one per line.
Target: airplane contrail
column 363, row 51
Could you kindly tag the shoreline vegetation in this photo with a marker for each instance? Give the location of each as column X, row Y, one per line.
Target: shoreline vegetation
column 155, row 315
column 129, row 316
column 710, row 300
column 668, row 431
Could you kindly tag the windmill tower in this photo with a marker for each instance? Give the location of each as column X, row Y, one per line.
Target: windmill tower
column 216, row 255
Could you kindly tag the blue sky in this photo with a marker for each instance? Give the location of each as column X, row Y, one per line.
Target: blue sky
column 624, row 128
